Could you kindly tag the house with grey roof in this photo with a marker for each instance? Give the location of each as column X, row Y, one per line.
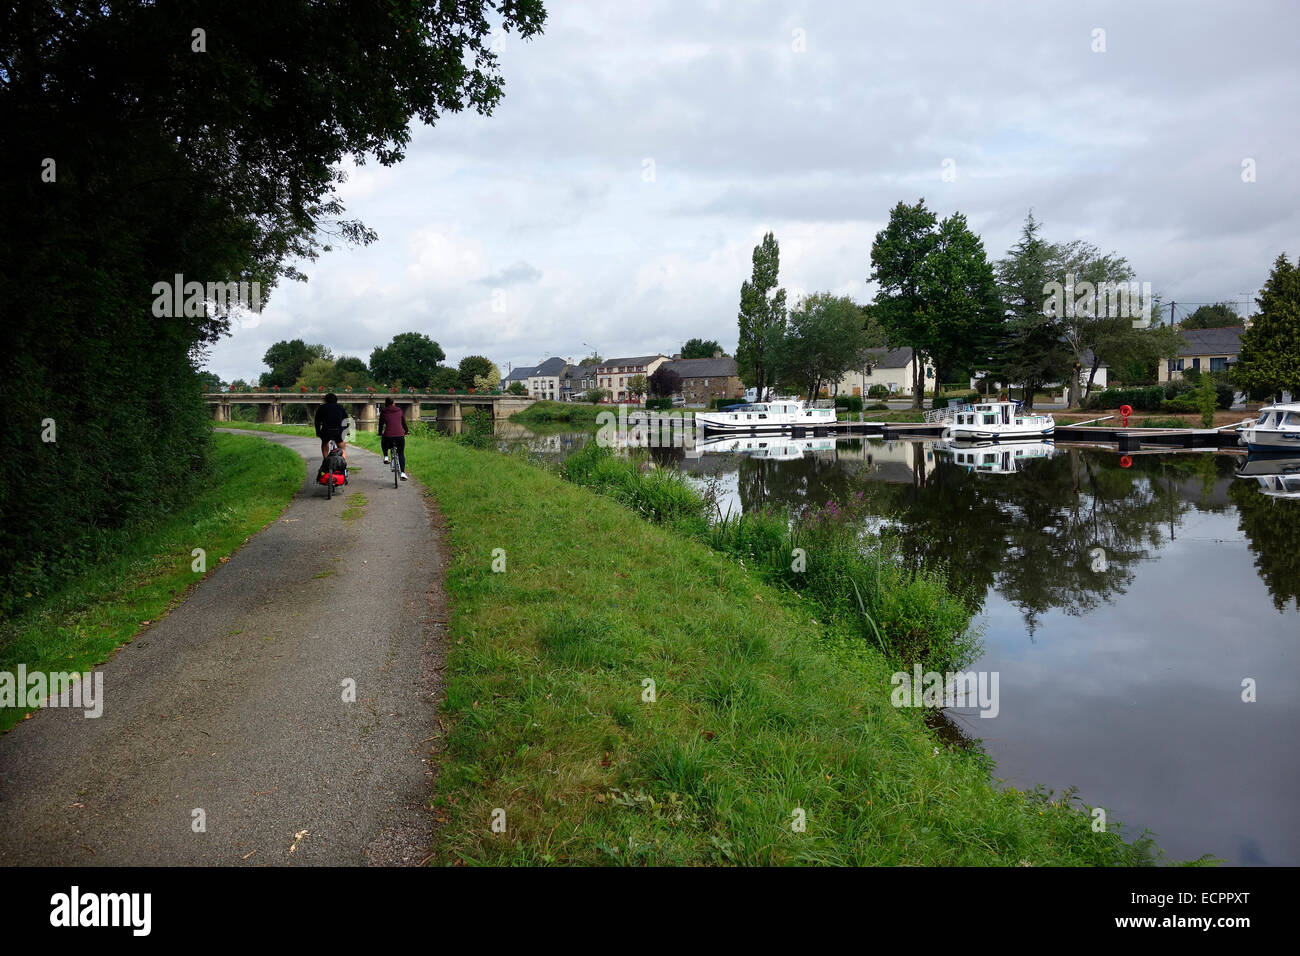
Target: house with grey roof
column 892, row 368
column 615, row 375
column 1206, row 350
column 704, row 379
column 519, row 374
column 544, row 382
column 576, row 381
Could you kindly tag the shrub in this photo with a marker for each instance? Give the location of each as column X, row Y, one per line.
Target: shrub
column 476, row 429
column 965, row 398
column 1145, row 399
column 850, row 403
column 878, row 391
column 658, row 403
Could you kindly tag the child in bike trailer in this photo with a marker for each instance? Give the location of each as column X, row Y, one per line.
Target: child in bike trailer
column 392, row 434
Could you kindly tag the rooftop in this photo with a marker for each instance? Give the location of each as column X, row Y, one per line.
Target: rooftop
column 1212, row 341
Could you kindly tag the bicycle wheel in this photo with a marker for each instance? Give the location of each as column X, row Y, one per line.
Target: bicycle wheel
column 396, row 469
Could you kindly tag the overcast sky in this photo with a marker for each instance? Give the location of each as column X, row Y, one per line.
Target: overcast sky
column 642, row 149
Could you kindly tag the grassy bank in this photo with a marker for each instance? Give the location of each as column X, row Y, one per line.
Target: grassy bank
column 757, row 713
column 578, row 414
column 81, row 623
column 855, row 587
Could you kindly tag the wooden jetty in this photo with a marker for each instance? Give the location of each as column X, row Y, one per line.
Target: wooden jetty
column 1124, row 439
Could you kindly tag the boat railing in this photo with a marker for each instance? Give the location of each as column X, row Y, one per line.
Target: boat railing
column 945, row 413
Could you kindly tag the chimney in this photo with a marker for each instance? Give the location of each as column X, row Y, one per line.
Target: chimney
column 677, row 357
column 717, row 353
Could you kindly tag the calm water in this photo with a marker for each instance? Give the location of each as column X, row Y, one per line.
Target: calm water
column 1122, row 609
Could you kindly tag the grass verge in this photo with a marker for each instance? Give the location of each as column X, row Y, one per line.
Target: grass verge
column 80, row 624
column 618, row 693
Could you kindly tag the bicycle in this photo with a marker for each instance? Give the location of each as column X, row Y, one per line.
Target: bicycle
column 393, row 453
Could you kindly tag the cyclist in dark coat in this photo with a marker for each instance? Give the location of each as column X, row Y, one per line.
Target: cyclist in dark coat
column 330, row 418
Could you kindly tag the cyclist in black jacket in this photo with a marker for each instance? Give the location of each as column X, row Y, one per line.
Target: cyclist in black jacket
column 329, row 425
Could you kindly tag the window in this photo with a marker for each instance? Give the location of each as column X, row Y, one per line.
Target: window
column 1196, row 364
column 990, row 419
column 1218, row 364
column 929, row 373
column 1175, row 365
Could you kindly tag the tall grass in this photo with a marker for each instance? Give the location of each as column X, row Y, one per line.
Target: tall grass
column 822, row 554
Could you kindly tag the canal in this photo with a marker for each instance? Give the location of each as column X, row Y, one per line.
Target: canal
column 1140, row 611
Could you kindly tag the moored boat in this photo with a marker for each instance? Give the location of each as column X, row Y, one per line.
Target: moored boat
column 991, row 421
column 766, row 416
column 1276, row 430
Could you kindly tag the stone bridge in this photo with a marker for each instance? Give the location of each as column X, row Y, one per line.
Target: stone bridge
column 364, row 406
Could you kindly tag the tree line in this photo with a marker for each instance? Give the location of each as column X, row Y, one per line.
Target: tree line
column 1047, row 313
column 141, row 143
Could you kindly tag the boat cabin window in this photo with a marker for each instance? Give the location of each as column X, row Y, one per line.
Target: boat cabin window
column 1263, row 418
column 1293, row 419
column 990, row 419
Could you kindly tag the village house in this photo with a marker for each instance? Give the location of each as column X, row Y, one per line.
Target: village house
column 544, row 382
column 1206, row 350
column 576, row 381
column 892, row 368
column 615, row 374
column 519, row 374
column 705, row 379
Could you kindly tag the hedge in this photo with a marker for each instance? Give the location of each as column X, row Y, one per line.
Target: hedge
column 850, row 403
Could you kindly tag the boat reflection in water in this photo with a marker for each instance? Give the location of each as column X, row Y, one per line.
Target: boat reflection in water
column 772, row 447
column 1277, row 477
column 994, row 458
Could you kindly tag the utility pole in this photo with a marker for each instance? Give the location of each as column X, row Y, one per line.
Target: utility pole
column 1171, row 313
column 1245, row 307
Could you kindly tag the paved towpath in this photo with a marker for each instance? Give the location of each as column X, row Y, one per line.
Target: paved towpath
column 233, row 704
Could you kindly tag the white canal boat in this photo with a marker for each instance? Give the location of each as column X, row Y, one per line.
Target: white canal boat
column 777, row 415
column 991, row 421
column 1276, row 430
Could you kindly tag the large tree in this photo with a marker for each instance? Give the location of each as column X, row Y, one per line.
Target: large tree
column 1269, row 363
column 142, row 141
column 1034, row 351
column 825, row 338
column 762, row 319
column 964, row 324
column 352, row 371
column 478, row 371
column 1088, row 321
column 898, row 256
column 700, row 348
column 410, row 359
column 286, row 359
column 1220, row 315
